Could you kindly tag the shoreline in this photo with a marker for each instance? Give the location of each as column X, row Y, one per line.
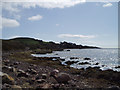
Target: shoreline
column 80, row 78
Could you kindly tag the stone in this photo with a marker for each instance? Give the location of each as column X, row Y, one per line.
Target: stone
column 40, row 81
column 71, row 62
column 73, row 57
column 21, row 73
column 7, row 79
column 16, row 87
column 62, row 78
column 87, row 58
column 16, row 63
column 32, row 71
column 82, row 63
column 54, row 72
column 44, row 76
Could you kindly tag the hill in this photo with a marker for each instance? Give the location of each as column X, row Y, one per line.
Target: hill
column 23, row 43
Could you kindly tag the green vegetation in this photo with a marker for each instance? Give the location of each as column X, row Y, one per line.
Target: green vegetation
column 33, row 44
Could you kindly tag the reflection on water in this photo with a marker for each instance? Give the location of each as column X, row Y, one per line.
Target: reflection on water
column 107, row 58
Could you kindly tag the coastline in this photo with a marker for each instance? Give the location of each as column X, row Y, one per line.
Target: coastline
column 80, row 78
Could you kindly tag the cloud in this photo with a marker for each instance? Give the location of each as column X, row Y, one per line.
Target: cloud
column 75, row 36
column 9, row 22
column 57, row 24
column 13, row 7
column 35, row 18
column 107, row 5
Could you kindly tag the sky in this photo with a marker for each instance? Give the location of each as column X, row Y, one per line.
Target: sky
column 77, row 21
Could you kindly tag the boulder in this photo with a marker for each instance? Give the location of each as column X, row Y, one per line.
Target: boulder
column 71, row 62
column 21, row 73
column 44, row 76
column 43, row 86
column 16, row 87
column 7, row 79
column 87, row 58
column 62, row 78
column 40, row 81
column 82, row 63
column 74, row 58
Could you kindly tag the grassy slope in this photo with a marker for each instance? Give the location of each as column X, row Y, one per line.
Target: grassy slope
column 30, row 43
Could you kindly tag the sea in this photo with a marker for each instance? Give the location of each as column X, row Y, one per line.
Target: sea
column 105, row 58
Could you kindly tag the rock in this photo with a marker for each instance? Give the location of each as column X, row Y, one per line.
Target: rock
column 21, row 73
column 16, row 87
column 74, row 58
column 32, row 71
column 4, row 86
column 82, row 63
column 114, row 88
column 55, row 86
column 40, row 80
column 87, row 59
column 37, row 77
column 43, row 86
column 117, row 67
column 62, row 59
column 54, row 72
column 7, row 79
column 16, row 63
column 71, row 62
column 96, row 63
column 44, row 76
column 62, row 78
column 6, row 61
column 31, row 81
column 67, row 50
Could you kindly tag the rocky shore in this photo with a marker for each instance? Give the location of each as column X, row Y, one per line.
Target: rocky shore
column 21, row 70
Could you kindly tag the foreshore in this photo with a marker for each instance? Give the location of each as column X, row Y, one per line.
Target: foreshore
column 21, row 70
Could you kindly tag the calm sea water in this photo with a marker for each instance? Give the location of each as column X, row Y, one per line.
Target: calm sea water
column 107, row 58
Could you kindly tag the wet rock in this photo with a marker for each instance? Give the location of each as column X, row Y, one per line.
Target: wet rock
column 67, row 50
column 21, row 73
column 40, row 81
column 32, row 71
column 54, row 72
column 44, row 86
column 87, row 58
column 71, row 62
column 117, row 67
column 7, row 79
column 55, row 86
column 6, row 61
column 82, row 63
column 16, row 63
column 62, row 59
column 37, row 77
column 31, row 81
column 74, row 58
column 44, row 76
column 32, row 65
column 16, row 87
column 60, row 77
column 114, row 88
column 4, row 86
column 96, row 63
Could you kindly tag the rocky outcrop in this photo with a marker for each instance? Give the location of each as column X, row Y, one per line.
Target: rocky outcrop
column 71, row 62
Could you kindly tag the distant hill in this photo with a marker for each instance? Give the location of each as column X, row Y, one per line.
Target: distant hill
column 23, row 43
